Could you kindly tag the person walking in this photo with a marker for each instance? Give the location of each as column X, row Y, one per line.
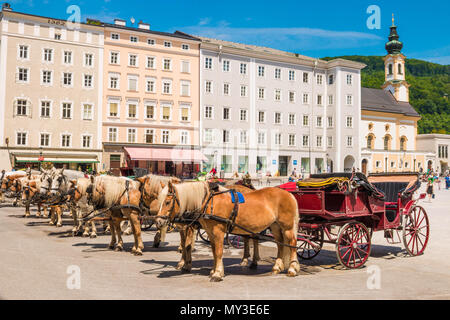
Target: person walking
column 430, row 188
column 447, row 182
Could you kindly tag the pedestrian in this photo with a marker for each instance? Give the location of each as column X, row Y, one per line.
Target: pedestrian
column 447, row 181
column 437, row 180
column 430, row 188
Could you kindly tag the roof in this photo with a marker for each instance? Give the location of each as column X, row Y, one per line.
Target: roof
column 383, row 101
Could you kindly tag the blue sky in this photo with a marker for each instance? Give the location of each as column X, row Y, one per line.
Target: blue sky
column 312, row 28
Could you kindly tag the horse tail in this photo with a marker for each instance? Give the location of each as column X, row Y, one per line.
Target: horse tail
column 286, row 253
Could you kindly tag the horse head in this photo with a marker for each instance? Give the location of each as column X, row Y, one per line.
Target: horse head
column 169, row 206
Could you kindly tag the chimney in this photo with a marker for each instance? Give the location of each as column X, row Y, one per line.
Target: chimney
column 120, row 22
column 6, row 7
column 144, row 26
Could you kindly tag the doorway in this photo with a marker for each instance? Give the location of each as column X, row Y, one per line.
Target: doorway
column 283, row 166
column 364, row 166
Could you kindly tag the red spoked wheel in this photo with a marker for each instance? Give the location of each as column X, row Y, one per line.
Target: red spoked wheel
column 416, row 231
column 307, row 250
column 353, row 245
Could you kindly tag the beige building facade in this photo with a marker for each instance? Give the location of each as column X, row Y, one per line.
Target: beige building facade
column 50, row 92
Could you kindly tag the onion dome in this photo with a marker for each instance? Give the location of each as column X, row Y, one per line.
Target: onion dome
column 394, row 46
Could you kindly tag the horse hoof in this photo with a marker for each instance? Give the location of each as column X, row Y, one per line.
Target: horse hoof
column 244, row 263
column 118, row 249
column 180, row 265
column 253, row 266
column 292, row 272
column 156, row 244
column 216, row 278
column 138, row 253
column 276, row 270
column 93, row 236
column 186, row 268
column 59, row 225
column 111, row 247
column 180, row 250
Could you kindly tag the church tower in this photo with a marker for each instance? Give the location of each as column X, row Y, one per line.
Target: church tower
column 394, row 63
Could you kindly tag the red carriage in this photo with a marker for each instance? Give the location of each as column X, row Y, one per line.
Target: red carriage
column 346, row 208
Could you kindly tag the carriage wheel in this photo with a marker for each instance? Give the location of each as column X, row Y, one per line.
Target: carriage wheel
column 203, row 235
column 416, row 231
column 307, row 251
column 353, row 245
column 236, row 241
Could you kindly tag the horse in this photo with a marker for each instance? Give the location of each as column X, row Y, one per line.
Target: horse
column 107, row 192
column 10, row 185
column 20, row 188
column 31, row 189
column 269, row 207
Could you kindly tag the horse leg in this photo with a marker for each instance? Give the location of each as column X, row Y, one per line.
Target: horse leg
column 128, row 230
column 256, row 257
column 59, row 212
column 277, row 234
column 136, row 224
column 75, row 221
column 113, row 242
column 160, row 236
column 38, row 213
column 183, row 248
column 52, row 216
column 45, row 215
column 219, row 271
column 93, row 230
column 244, row 262
column 27, row 209
column 118, row 231
column 188, row 249
column 290, row 253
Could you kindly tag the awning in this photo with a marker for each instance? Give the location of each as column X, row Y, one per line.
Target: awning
column 174, row 155
column 34, row 159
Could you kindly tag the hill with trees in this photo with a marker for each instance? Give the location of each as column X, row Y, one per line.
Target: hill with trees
column 430, row 87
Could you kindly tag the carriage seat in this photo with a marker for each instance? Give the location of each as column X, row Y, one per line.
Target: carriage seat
column 390, row 189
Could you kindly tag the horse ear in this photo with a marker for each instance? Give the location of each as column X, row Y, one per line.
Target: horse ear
column 170, row 186
column 142, row 180
column 162, row 184
column 62, row 171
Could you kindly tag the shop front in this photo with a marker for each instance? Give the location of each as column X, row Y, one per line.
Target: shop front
column 84, row 163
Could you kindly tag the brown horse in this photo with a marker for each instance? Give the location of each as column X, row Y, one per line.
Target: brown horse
column 269, row 207
column 11, row 187
column 31, row 188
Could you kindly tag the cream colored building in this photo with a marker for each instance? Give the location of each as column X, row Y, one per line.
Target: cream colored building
column 50, row 92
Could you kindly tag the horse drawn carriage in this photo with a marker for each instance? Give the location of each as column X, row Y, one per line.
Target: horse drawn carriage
column 346, row 208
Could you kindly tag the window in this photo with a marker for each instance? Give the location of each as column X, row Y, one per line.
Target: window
column 151, row 62
column 23, row 75
column 226, row 89
column 349, row 100
column 277, row 118
column 319, row 122
column 114, row 58
column 243, row 91
column 319, row 79
column 261, row 117
column 45, row 109
column 277, row 95
column 132, row 110
column 87, row 111
column 131, row 137
column 112, row 134
column 21, row 107
column 149, row 136
column 261, row 137
column 319, row 141
column 45, row 140
column 243, row 137
column 208, row 112
column 132, row 83
column 46, row 77
column 86, row 143
column 23, row 52
column 402, row 144
column 87, row 83
column 184, row 137
column 349, row 79
column 277, row 73
column 67, row 110
column 261, row 93
column 330, row 79
column 225, row 136
column 67, row 79
column 185, row 88
column 370, row 140
column 48, row 55
column 21, row 139
column 319, row 99
column 114, row 82
column 400, row 69
column 151, row 42
column 65, row 140
column 243, row 68
column 150, row 112
column 261, row 70
column 208, row 63
column 330, row 100
column 167, row 64
column 387, row 143
column 330, row 141
column 305, row 98
column 226, row 65
column 132, row 60
column 349, row 122
column 226, row 164
column 185, row 67
column 115, row 36
column 167, row 86
column 88, row 60
column 291, row 96
column 349, row 141
column 278, row 139
column 292, row 119
column 291, row 140
column 305, row 141
column 208, row 86
column 291, row 75
column 208, row 137
column 305, row 121
column 330, row 122
column 243, row 115
column 185, row 114
column 166, row 113
column 150, row 85
column 67, row 57
column 305, row 77
column 165, row 136
column 113, row 109
column 185, row 46
column 226, row 113
column 134, row 39
column 167, row 44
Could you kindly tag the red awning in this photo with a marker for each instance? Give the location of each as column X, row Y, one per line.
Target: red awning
column 175, row 155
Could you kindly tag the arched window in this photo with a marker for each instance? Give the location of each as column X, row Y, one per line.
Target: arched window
column 400, row 68
column 370, row 140
column 387, row 142
column 390, row 69
column 402, row 144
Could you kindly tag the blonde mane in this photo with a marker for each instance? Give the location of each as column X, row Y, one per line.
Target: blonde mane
column 114, row 188
column 191, row 195
column 154, row 182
